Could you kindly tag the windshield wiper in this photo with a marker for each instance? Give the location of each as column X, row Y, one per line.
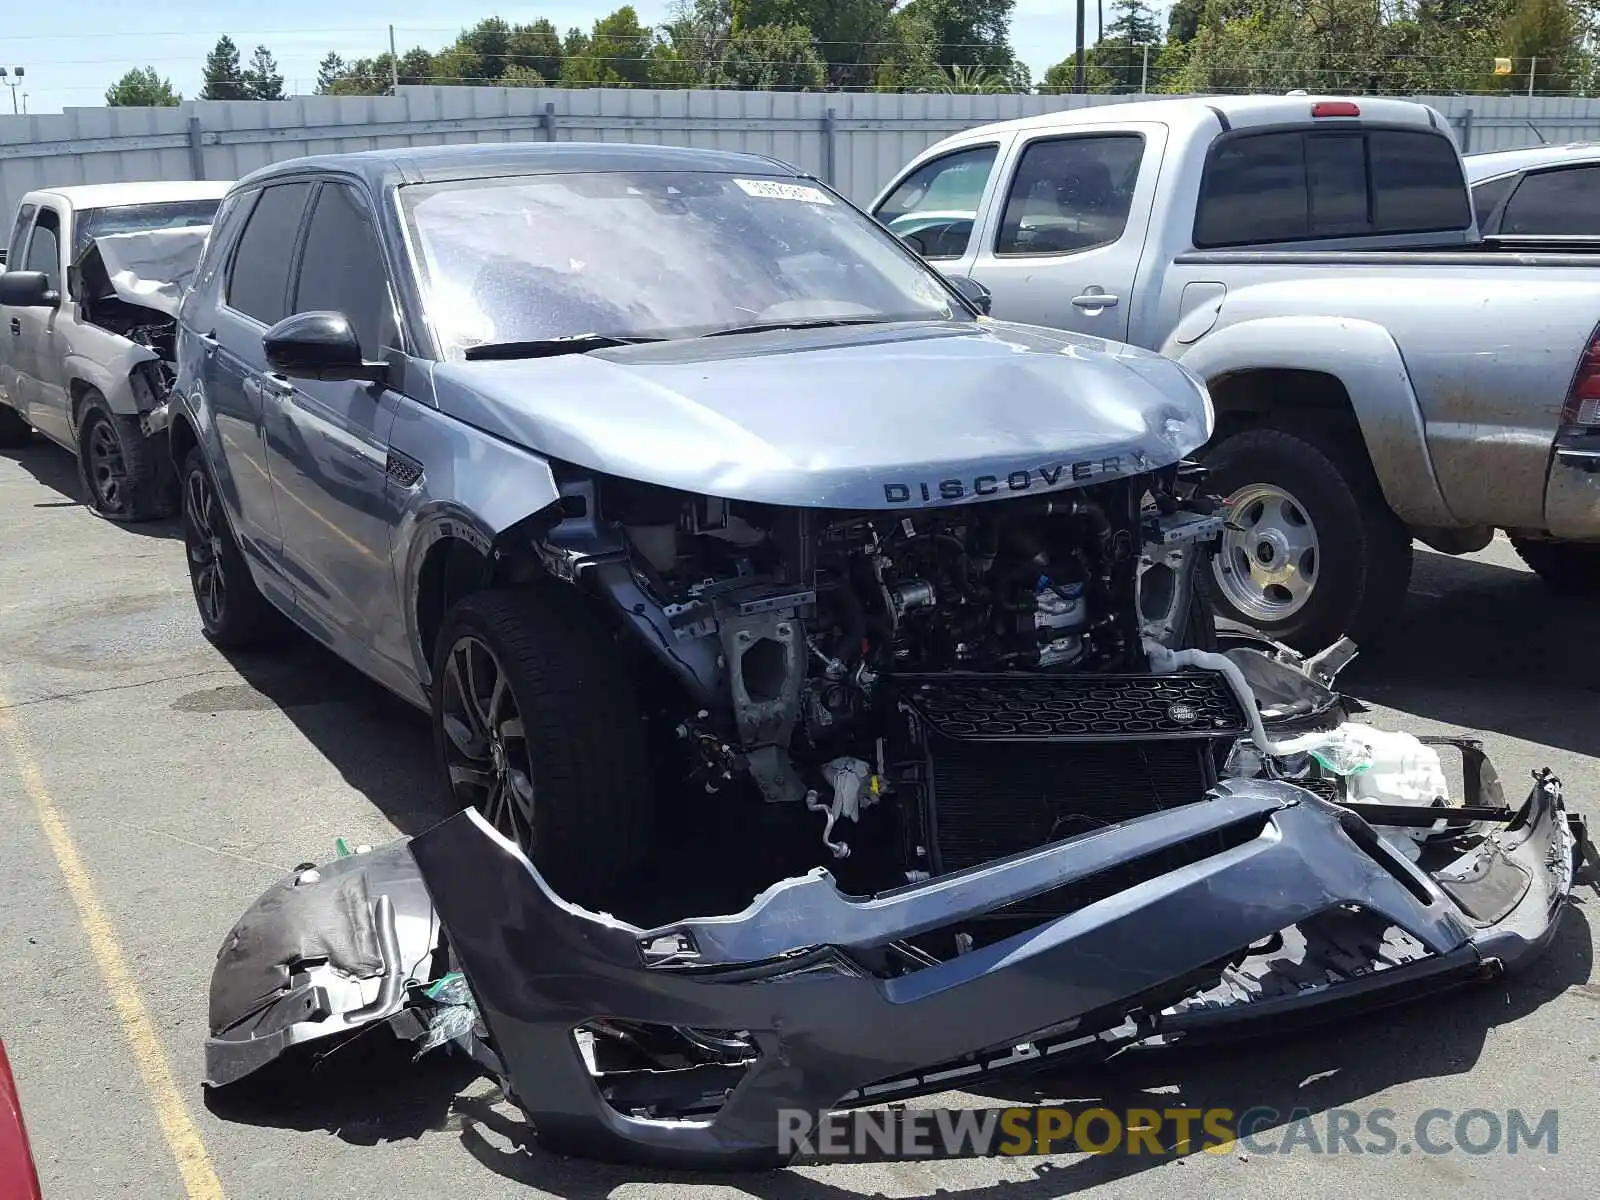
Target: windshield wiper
column 814, row 323
column 574, row 343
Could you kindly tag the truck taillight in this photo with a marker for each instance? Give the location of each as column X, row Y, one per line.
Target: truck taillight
column 1583, row 398
column 1335, row 108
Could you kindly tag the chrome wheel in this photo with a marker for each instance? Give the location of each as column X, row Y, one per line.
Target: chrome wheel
column 108, row 471
column 486, row 750
column 202, row 535
column 1267, row 567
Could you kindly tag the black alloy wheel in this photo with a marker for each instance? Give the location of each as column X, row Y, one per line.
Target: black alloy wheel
column 108, row 469
column 486, row 748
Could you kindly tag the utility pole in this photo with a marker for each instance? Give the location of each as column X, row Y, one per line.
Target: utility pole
column 1078, row 77
column 1144, row 71
column 394, row 65
column 1533, row 69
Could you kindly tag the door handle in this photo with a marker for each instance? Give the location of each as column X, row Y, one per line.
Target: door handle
column 1094, row 299
column 16, row 326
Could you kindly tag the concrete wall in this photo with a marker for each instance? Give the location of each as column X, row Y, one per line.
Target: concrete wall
column 856, row 141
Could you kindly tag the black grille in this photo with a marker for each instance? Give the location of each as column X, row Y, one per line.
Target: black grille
column 1009, row 708
column 992, row 799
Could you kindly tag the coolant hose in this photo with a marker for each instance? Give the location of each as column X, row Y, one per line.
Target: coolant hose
column 1164, row 661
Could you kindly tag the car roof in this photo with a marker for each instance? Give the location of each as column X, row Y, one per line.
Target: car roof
column 108, row 195
column 1490, row 163
column 487, row 160
column 1235, row 111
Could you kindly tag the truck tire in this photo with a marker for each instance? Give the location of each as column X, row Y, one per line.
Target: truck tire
column 120, row 467
column 14, row 431
column 1314, row 552
column 539, row 727
column 1567, row 568
column 233, row 612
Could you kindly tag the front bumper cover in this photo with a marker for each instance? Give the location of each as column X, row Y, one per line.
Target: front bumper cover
column 791, row 972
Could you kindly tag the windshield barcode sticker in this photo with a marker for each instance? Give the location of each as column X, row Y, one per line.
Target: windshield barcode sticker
column 773, row 190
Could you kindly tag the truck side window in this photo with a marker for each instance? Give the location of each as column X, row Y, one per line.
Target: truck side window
column 1254, row 190
column 44, row 249
column 1487, row 196
column 1070, row 194
column 1417, row 184
column 938, row 202
column 19, row 232
column 1555, row 202
column 258, row 280
column 342, row 268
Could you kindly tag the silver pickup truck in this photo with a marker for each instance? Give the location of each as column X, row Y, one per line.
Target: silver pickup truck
column 1379, row 375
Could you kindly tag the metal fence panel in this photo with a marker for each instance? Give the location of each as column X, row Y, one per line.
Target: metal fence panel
column 854, row 140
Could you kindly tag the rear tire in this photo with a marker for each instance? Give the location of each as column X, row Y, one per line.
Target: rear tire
column 539, row 727
column 233, row 612
column 1567, row 568
column 121, row 468
column 1297, row 492
column 14, row 431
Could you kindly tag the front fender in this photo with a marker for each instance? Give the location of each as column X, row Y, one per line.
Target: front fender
column 469, row 486
column 1364, row 358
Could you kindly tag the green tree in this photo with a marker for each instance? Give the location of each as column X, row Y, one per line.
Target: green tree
column 489, row 43
column 223, row 78
column 852, row 36
column 965, row 32
column 330, row 70
column 536, row 47
column 617, row 53
column 1183, row 20
column 692, row 44
column 773, row 57
column 517, row 75
column 1542, row 39
column 262, row 79
column 142, row 88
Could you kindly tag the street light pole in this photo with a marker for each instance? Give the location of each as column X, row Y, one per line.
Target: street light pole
column 13, row 80
column 1078, row 76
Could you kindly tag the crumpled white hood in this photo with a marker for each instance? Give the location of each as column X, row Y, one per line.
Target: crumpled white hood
column 155, row 267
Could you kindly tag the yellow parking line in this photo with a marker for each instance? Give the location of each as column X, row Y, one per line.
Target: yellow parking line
column 183, row 1139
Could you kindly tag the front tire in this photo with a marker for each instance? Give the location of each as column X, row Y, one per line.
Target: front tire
column 1567, row 568
column 233, row 612
column 120, row 467
column 14, row 431
column 539, row 728
column 1313, row 551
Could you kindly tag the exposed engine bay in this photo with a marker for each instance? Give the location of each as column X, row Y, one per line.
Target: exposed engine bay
column 949, row 661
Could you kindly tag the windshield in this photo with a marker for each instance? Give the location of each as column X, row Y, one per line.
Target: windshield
column 653, row 255
column 135, row 218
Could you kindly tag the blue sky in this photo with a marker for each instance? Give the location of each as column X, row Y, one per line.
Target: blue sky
column 107, row 37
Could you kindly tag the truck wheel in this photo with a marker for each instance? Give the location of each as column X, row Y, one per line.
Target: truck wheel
column 14, row 431
column 1568, row 568
column 539, row 728
column 1313, row 551
column 233, row 612
column 120, row 467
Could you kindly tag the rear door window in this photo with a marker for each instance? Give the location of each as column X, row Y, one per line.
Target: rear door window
column 1070, row 194
column 938, row 202
column 1302, row 185
column 258, row 279
column 1558, row 203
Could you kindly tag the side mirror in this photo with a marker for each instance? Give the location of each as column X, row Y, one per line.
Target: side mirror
column 28, row 289
column 973, row 292
column 318, row 345
column 913, row 243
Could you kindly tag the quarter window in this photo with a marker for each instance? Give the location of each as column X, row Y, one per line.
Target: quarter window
column 342, row 268
column 1070, row 194
column 258, row 280
column 938, row 202
column 1556, row 202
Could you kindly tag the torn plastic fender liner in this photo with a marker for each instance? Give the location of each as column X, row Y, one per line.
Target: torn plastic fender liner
column 540, row 966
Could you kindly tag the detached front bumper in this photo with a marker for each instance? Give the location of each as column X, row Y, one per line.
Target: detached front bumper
column 788, row 974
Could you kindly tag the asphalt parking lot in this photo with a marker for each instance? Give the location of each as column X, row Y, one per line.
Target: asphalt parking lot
column 151, row 788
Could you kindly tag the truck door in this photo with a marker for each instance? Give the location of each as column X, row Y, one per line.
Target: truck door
column 10, row 386
column 31, row 334
column 1072, row 210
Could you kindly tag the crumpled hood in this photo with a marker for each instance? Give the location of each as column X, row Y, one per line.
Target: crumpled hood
column 153, row 268
column 855, row 417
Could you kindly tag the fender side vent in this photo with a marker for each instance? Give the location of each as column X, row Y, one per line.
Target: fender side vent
column 404, row 471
